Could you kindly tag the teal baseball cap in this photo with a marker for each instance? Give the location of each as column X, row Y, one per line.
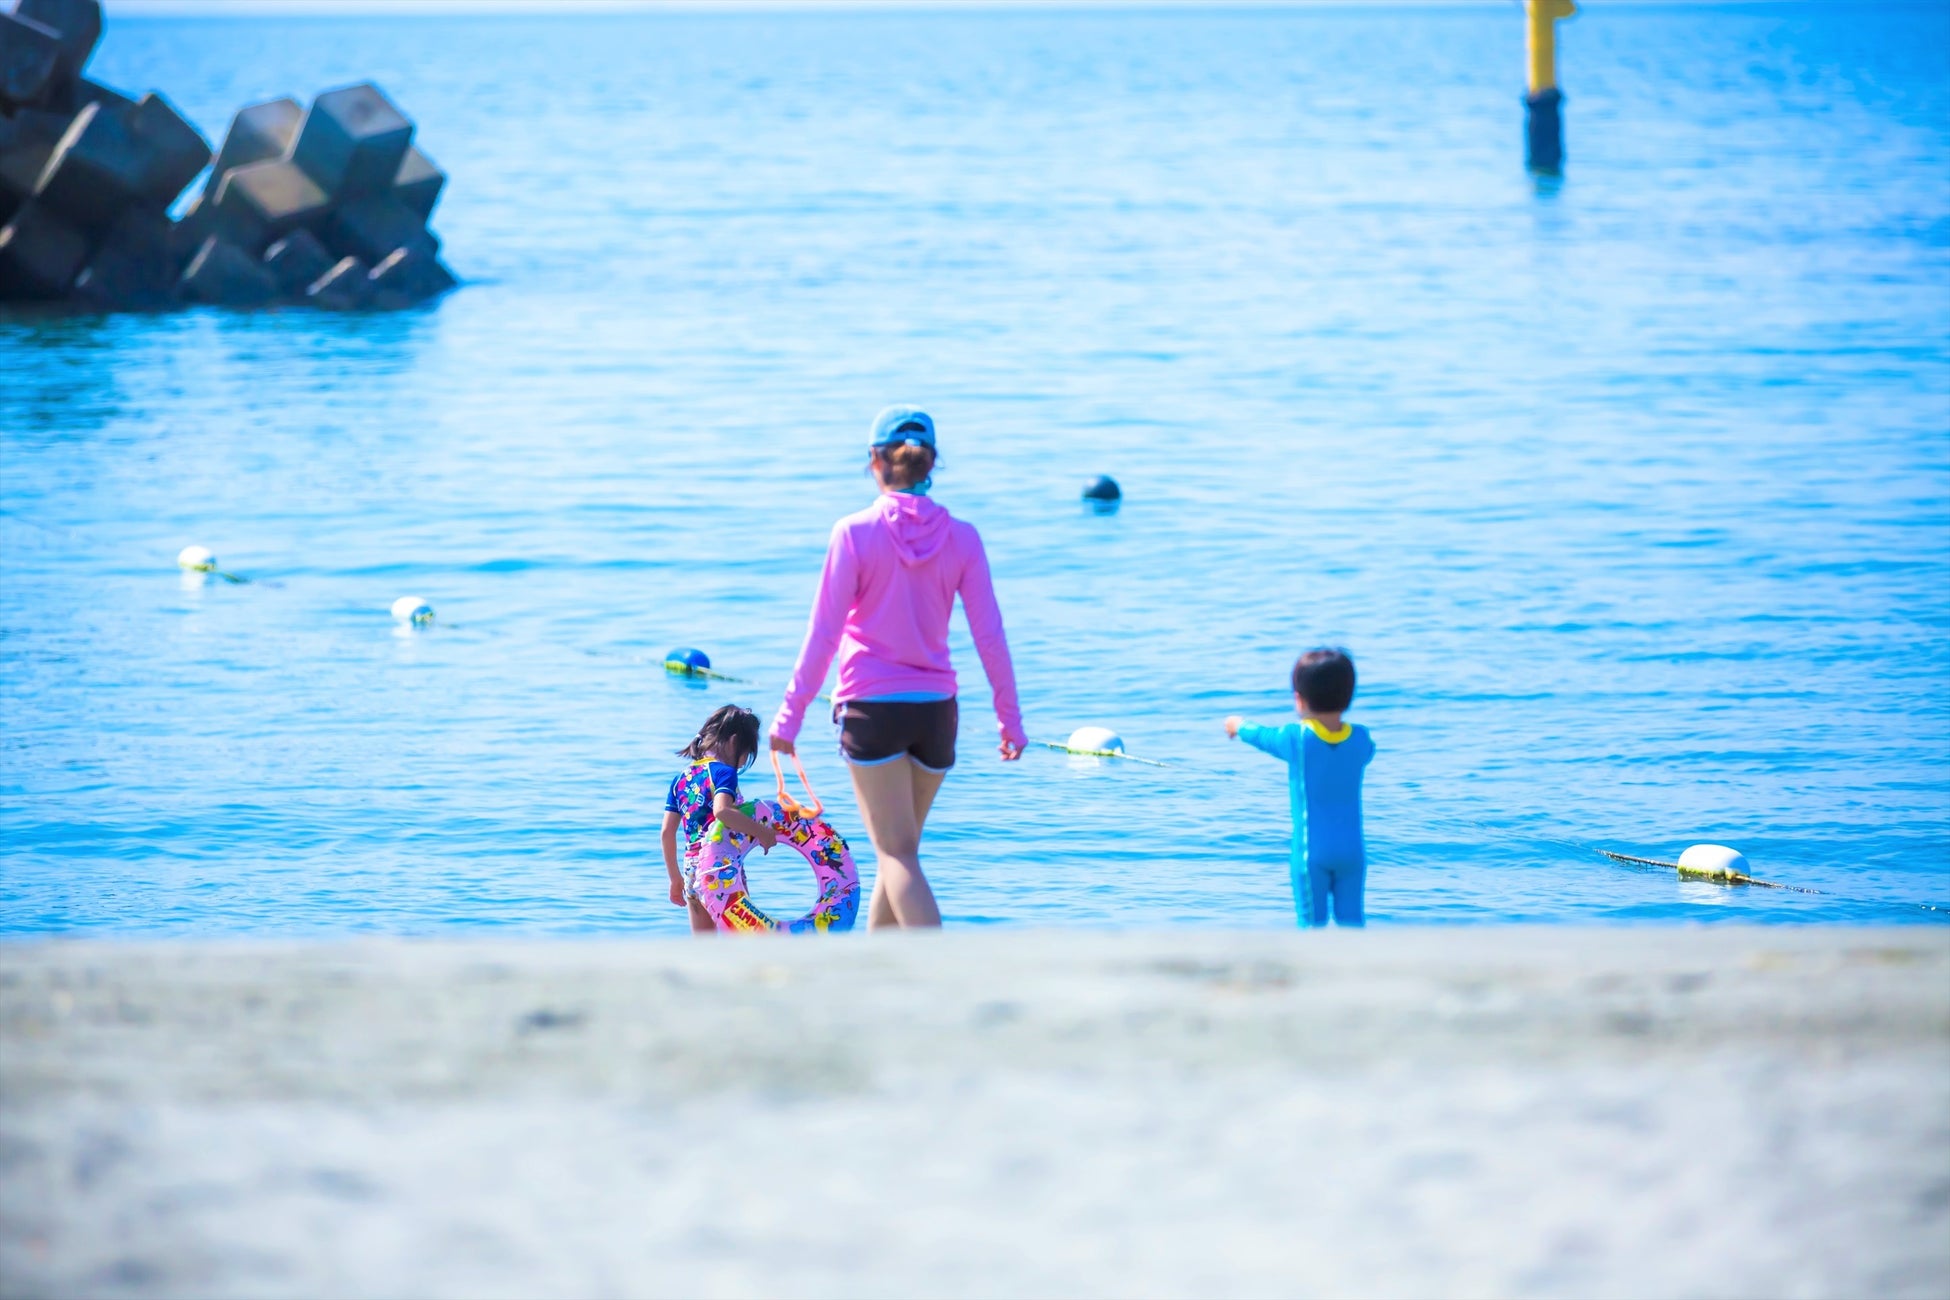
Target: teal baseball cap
column 903, row 424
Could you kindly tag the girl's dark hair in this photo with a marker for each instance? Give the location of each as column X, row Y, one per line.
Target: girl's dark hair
column 1324, row 678
column 739, row 726
column 906, row 464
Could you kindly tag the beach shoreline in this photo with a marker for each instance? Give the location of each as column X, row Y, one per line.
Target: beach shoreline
column 1545, row 1110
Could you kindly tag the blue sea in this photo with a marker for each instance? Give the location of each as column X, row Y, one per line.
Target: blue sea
column 1629, row 493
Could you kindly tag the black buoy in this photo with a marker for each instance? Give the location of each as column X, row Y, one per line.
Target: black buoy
column 1104, row 494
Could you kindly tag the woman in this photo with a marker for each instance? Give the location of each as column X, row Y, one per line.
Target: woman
column 892, row 573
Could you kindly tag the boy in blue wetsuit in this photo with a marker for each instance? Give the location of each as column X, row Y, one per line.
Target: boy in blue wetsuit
column 1325, row 758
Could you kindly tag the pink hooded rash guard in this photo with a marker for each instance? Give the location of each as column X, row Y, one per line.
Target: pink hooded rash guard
column 892, row 573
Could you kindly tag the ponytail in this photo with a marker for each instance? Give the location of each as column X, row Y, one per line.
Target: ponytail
column 730, row 723
column 905, row 464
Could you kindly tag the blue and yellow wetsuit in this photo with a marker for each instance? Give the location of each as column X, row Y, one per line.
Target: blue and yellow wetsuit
column 1324, row 771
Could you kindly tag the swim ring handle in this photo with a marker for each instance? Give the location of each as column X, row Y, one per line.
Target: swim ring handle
column 786, row 801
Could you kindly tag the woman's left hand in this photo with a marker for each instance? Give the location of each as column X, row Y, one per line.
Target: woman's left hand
column 1011, row 751
column 780, row 745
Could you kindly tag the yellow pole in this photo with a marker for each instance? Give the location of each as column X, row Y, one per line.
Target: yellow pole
column 1543, row 105
column 1540, row 40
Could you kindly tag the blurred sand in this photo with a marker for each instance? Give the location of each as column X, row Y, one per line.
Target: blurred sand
column 1540, row 1111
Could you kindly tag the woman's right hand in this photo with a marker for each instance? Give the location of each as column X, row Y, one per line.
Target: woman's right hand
column 780, row 745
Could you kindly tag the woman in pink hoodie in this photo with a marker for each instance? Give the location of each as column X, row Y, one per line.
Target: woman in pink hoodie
column 891, row 577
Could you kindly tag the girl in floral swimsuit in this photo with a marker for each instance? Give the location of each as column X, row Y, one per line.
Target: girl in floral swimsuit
column 707, row 791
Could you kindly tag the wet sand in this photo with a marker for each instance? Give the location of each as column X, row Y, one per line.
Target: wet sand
column 1541, row 1111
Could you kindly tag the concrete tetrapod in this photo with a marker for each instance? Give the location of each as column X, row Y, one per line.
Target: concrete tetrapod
column 343, row 288
column 111, row 158
column 418, row 182
column 296, row 262
column 352, row 141
column 132, row 267
column 88, row 174
column 40, row 254
column 258, row 133
column 77, row 25
column 258, row 202
column 30, row 59
column 224, row 275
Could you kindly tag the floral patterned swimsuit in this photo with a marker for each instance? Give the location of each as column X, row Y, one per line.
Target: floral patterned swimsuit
column 691, row 794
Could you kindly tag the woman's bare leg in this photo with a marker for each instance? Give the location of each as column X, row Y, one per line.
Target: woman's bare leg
column 701, row 922
column 888, row 802
column 880, row 909
column 926, row 786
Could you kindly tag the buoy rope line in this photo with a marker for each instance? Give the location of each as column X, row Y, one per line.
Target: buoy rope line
column 1716, row 877
column 1726, row 879
column 1062, row 748
column 213, row 569
column 198, row 559
column 680, row 668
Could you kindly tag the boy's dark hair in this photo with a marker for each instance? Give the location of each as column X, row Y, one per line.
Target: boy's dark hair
column 737, row 725
column 1324, row 678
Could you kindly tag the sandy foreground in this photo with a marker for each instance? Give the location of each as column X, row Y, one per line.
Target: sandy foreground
column 1540, row 1111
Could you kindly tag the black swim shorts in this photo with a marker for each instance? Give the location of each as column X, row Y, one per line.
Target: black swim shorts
column 879, row 731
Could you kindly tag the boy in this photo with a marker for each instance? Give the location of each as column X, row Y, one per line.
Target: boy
column 1325, row 758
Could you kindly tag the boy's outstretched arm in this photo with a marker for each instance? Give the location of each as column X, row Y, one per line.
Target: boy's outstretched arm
column 725, row 811
column 1276, row 741
column 671, row 824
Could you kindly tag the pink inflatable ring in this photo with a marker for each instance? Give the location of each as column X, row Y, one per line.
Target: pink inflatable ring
column 719, row 878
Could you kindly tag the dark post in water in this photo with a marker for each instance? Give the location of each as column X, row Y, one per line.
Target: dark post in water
column 1544, row 104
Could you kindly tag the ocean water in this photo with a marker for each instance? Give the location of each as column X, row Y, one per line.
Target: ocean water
column 1630, row 495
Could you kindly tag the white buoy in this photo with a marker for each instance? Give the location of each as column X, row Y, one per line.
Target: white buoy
column 1096, row 738
column 197, row 559
column 414, row 610
column 1713, row 862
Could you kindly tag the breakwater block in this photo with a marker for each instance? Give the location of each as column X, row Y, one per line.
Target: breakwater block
column 40, row 255
column 81, row 92
column 259, row 202
column 343, row 288
column 374, row 226
column 353, row 141
column 95, row 170
column 111, row 159
column 224, row 275
column 27, row 139
column 418, row 182
column 187, row 232
column 86, row 162
column 296, row 262
column 406, row 276
column 30, row 59
column 258, row 133
column 176, row 151
column 132, row 268
column 77, row 25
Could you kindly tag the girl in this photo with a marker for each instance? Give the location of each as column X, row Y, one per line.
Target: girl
column 705, row 791
column 892, row 573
